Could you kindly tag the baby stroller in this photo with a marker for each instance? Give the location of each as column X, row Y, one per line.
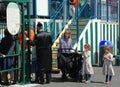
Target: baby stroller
column 71, row 64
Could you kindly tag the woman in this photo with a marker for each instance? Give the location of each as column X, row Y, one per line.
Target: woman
column 7, row 46
column 66, row 43
column 65, row 47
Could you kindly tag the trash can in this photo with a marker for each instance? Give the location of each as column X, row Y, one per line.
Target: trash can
column 117, row 62
column 102, row 44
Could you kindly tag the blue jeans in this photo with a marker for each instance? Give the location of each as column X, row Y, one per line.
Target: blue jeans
column 108, row 78
column 87, row 77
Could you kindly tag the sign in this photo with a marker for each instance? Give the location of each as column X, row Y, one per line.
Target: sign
column 13, row 18
column 42, row 7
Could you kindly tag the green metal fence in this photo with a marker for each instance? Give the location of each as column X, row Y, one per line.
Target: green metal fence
column 16, row 68
column 20, row 62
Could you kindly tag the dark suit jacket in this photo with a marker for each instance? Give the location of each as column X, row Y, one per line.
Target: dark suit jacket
column 43, row 50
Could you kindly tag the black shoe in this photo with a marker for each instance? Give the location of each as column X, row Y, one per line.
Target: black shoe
column 36, row 81
column 47, row 81
column 41, row 82
column 4, row 83
column 64, row 78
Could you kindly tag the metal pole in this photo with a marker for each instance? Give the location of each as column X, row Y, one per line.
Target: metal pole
column 65, row 11
column 77, row 23
column 119, row 20
column 107, row 10
column 23, row 46
column 100, row 9
column 119, row 13
column 50, row 8
column 95, row 8
column 29, row 49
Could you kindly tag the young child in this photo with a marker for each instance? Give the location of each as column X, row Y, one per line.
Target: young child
column 107, row 65
column 87, row 66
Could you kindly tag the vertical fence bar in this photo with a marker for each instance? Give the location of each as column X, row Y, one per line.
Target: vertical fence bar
column 107, row 11
column 77, row 23
column 119, row 18
column 23, row 46
column 65, row 12
column 29, row 47
column 50, row 8
column 100, row 10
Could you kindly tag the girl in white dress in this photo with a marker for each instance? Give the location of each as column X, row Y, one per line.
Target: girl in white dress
column 107, row 65
column 87, row 66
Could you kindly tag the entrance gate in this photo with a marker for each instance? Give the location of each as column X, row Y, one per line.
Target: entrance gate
column 19, row 68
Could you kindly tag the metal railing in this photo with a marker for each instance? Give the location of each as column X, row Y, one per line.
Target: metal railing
column 105, row 10
column 58, row 15
column 5, row 58
column 78, row 16
column 18, row 70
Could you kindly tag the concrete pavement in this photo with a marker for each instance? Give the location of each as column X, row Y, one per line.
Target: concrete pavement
column 97, row 80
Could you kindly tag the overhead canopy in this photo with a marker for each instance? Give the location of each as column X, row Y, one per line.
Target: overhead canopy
column 105, row 43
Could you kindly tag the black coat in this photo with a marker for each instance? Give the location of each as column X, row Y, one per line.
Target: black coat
column 7, row 45
column 43, row 51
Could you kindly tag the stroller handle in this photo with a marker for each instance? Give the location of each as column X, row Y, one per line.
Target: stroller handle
column 67, row 49
column 70, row 49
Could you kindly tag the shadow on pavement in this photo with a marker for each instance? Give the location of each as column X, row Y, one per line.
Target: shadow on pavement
column 58, row 79
column 96, row 82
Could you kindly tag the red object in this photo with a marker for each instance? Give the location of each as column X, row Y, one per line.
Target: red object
column 75, row 2
column 32, row 36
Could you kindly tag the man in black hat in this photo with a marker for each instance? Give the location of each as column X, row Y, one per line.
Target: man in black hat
column 44, row 54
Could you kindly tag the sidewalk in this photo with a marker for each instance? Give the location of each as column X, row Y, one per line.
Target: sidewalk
column 97, row 80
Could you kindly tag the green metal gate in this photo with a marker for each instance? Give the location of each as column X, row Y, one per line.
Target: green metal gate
column 19, row 71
